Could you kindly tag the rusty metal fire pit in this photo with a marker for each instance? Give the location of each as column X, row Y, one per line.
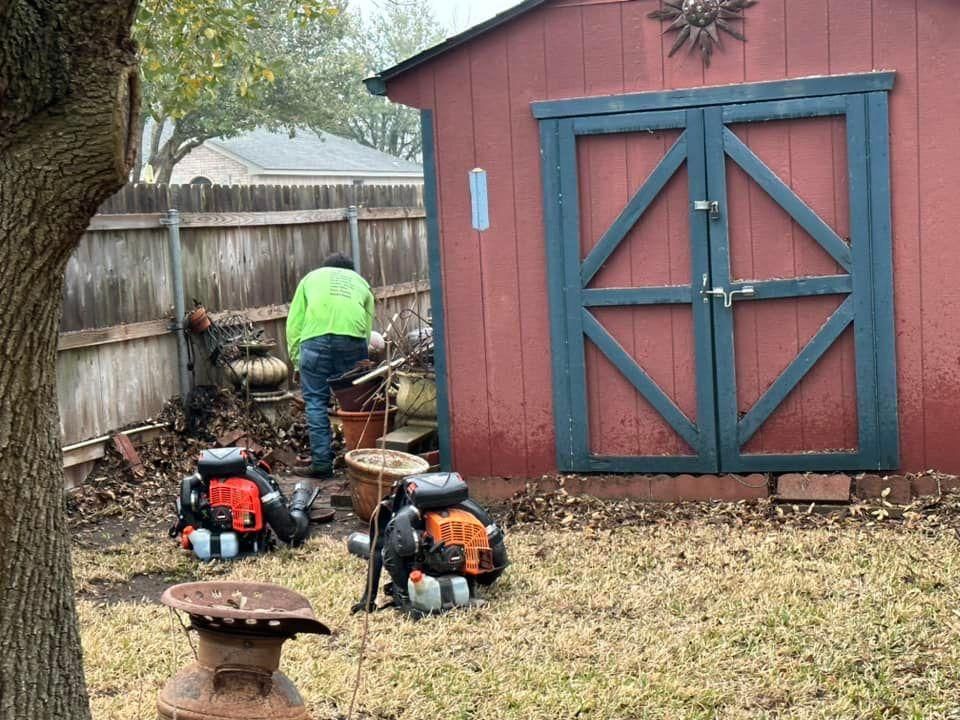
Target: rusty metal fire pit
column 242, row 628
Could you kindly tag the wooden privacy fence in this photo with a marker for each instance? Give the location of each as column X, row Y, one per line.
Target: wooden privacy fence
column 243, row 249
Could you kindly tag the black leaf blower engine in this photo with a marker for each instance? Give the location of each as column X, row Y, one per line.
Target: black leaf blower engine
column 229, row 507
column 436, row 544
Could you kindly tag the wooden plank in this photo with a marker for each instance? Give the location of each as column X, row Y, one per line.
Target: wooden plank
column 143, row 221
column 865, row 341
column 785, row 109
column 603, row 195
column 939, row 218
column 126, row 221
column 435, row 259
column 463, row 299
column 725, row 368
column 525, row 46
column 113, row 334
column 500, row 279
column 699, row 233
column 400, row 289
column 553, row 225
column 629, row 122
column 795, row 287
column 812, row 462
column 761, row 246
column 573, row 315
column 391, row 213
column 816, row 172
column 615, row 297
column 894, row 29
column 724, row 95
column 84, row 454
column 155, row 328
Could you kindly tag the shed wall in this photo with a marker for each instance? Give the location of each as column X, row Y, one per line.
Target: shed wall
column 495, row 286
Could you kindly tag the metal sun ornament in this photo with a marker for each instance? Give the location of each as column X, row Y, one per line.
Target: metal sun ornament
column 700, row 22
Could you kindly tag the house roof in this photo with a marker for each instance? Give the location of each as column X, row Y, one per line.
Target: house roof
column 377, row 84
column 308, row 152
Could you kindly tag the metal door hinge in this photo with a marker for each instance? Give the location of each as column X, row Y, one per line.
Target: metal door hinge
column 710, row 206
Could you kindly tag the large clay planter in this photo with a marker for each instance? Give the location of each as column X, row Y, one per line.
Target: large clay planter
column 362, row 429
column 364, row 468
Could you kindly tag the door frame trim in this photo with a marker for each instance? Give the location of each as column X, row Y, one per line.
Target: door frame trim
column 798, row 88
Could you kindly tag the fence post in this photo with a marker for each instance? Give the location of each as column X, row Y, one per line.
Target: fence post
column 172, row 221
column 353, row 217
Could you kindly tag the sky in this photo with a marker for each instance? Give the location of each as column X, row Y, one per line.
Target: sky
column 456, row 15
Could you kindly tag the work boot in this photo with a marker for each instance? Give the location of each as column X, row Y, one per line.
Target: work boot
column 317, row 472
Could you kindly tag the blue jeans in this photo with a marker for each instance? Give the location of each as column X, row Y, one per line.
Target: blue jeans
column 322, row 358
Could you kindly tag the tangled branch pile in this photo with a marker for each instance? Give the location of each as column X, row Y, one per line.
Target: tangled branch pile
column 214, row 416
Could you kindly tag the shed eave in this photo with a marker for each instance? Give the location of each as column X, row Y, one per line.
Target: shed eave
column 377, row 84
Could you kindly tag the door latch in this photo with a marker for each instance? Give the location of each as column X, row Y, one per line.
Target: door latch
column 710, row 206
column 728, row 295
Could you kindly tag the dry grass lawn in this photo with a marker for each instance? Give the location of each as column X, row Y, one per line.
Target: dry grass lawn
column 687, row 620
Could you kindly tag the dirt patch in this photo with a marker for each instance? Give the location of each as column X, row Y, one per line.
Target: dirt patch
column 139, row 588
column 112, row 532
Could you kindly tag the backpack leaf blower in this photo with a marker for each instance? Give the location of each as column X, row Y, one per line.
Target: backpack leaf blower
column 436, row 544
column 229, row 507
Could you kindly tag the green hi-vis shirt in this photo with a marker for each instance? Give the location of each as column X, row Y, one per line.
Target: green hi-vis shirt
column 329, row 301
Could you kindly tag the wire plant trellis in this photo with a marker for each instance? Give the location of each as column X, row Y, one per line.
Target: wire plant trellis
column 229, row 337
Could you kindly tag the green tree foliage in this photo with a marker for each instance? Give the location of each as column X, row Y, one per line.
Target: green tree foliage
column 401, row 29
column 213, row 68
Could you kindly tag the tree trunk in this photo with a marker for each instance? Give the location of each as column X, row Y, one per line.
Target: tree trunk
column 172, row 151
column 69, row 103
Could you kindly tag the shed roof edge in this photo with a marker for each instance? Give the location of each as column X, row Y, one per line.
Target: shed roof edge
column 377, row 84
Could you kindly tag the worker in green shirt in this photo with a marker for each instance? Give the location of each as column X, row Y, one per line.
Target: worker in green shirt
column 328, row 331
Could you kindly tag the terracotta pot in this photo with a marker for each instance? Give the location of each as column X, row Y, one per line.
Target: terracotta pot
column 363, row 470
column 362, row 429
column 198, row 321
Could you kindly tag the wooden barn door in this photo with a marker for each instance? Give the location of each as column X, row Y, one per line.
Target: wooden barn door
column 803, row 322
column 720, row 287
column 636, row 390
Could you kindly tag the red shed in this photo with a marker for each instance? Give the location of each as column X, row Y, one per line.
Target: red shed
column 732, row 257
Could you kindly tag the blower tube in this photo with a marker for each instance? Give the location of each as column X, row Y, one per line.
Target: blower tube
column 292, row 523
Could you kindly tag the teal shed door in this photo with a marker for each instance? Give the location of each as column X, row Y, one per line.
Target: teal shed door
column 720, row 282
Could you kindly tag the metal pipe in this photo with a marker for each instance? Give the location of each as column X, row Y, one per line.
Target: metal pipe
column 353, row 218
column 103, row 438
column 382, row 370
column 172, row 221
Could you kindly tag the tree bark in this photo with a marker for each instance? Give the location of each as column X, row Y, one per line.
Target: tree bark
column 69, row 103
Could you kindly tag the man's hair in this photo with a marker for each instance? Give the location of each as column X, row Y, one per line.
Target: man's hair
column 339, row 260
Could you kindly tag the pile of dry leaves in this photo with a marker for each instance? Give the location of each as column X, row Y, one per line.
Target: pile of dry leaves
column 214, row 417
column 558, row 508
